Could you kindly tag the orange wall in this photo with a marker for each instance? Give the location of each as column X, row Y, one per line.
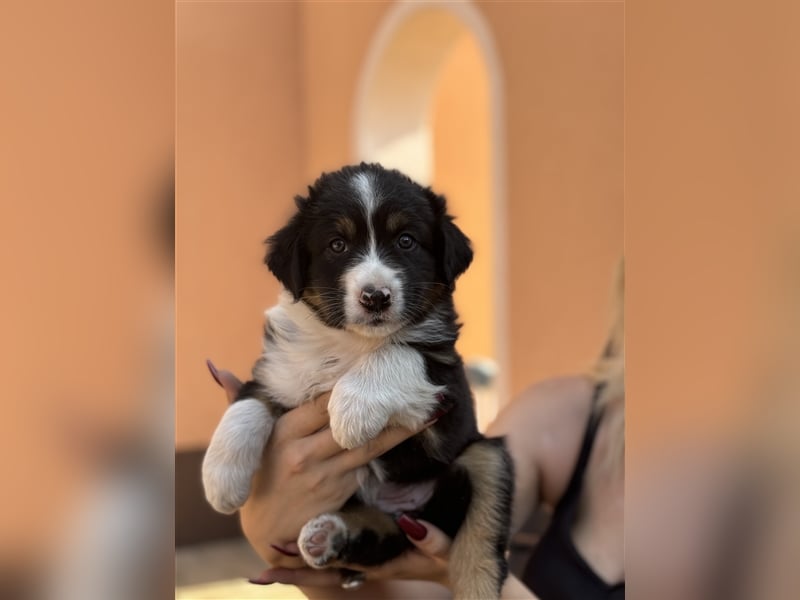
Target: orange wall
column 711, row 212
column 462, row 159
column 239, row 135
column 87, row 128
column 563, row 67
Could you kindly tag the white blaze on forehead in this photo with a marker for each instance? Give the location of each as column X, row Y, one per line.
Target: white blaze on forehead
column 365, row 190
column 363, row 183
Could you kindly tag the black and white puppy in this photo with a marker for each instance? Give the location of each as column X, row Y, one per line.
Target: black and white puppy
column 369, row 264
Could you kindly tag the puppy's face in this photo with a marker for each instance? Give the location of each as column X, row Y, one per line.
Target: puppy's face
column 369, row 250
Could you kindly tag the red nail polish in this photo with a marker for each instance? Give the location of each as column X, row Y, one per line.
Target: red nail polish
column 213, row 371
column 412, row 528
column 260, row 581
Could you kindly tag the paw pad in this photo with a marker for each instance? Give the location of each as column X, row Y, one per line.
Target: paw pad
column 322, row 539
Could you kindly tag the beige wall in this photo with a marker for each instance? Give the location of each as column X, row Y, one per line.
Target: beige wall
column 265, row 104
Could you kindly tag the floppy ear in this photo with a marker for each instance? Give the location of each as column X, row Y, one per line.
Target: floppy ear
column 286, row 256
column 457, row 251
column 453, row 248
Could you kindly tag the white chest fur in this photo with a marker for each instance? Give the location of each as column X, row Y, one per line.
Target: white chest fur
column 305, row 358
column 374, row 381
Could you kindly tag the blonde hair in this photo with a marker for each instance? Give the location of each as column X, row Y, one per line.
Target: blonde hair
column 609, row 371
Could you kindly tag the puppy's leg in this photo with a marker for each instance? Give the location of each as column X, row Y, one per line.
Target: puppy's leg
column 236, row 447
column 389, row 386
column 358, row 535
column 478, row 564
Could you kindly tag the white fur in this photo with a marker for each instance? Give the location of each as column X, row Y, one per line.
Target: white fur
column 333, row 525
column 367, row 195
column 305, row 357
column 371, row 271
column 387, row 386
column 234, row 454
column 434, row 329
column 395, row 498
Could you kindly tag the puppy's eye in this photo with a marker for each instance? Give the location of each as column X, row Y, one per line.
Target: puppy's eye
column 406, row 242
column 338, row 245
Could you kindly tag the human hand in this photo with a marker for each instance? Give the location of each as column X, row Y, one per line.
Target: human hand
column 304, row 473
column 426, row 561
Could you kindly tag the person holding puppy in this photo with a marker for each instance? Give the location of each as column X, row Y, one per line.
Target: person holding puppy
column 566, row 437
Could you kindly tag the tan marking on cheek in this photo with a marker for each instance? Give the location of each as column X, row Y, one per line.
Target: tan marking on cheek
column 312, row 297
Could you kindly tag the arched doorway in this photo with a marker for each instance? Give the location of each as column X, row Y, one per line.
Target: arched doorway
column 429, row 103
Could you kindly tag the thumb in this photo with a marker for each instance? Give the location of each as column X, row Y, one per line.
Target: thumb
column 427, row 538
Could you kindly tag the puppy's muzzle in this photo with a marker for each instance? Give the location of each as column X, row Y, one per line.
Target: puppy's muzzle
column 375, row 300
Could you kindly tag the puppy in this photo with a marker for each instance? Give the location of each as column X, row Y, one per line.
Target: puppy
column 368, row 265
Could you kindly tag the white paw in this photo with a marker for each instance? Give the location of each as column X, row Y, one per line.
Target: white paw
column 350, row 433
column 234, row 454
column 227, row 486
column 354, row 419
column 322, row 539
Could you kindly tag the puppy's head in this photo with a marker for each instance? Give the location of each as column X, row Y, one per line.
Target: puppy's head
column 369, row 250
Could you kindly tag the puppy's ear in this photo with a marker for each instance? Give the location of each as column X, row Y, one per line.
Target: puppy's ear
column 286, row 256
column 453, row 247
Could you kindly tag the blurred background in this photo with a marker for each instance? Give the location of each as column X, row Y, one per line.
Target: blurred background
column 270, row 94
column 512, row 110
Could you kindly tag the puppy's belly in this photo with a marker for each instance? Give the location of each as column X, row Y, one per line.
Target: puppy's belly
column 392, row 497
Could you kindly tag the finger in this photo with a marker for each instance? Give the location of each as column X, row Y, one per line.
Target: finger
column 427, row 538
column 303, row 576
column 322, row 446
column 386, row 440
column 280, row 560
column 303, row 420
column 226, row 380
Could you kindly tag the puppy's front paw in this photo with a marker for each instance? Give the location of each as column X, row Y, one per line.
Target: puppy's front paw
column 353, row 434
column 322, row 539
column 234, row 454
column 354, row 419
column 227, row 486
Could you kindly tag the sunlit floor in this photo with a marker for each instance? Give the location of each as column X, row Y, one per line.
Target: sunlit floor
column 220, row 570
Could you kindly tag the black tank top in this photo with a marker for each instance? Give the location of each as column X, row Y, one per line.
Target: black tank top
column 556, row 570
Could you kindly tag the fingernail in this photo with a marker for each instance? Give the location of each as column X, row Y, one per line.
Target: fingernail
column 261, row 580
column 282, row 551
column 213, row 371
column 412, row 528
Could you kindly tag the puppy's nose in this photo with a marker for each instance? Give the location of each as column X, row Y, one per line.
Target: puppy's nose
column 375, row 300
